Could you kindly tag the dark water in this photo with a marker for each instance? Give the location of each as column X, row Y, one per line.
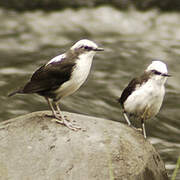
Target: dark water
column 131, row 40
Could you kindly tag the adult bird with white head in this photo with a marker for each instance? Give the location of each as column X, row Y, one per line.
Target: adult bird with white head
column 62, row 76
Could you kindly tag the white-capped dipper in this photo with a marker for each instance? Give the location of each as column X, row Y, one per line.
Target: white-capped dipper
column 144, row 95
column 62, row 76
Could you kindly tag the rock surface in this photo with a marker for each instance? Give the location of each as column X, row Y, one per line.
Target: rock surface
column 34, row 147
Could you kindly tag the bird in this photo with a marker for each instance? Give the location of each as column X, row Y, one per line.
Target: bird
column 61, row 77
column 143, row 96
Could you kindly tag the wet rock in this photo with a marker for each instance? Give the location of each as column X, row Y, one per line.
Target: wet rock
column 34, row 147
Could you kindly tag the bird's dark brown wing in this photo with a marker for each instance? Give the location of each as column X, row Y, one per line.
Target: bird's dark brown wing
column 132, row 86
column 128, row 90
column 50, row 77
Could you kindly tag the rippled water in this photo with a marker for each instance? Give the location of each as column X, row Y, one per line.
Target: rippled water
column 131, row 40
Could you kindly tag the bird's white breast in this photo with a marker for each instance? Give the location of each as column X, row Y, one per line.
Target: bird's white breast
column 147, row 97
column 78, row 77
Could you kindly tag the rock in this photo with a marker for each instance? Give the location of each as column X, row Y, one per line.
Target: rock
column 34, row 147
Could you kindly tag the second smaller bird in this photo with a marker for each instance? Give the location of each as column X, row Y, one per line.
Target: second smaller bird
column 144, row 95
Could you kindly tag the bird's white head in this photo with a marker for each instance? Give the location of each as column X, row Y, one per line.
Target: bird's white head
column 87, row 47
column 158, row 71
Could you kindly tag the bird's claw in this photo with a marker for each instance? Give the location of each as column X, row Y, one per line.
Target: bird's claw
column 70, row 125
column 66, row 123
column 63, row 121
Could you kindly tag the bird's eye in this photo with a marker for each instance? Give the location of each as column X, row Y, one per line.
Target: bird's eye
column 156, row 72
column 87, row 48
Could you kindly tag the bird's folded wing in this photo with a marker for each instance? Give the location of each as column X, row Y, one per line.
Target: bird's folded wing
column 133, row 85
column 49, row 77
column 128, row 90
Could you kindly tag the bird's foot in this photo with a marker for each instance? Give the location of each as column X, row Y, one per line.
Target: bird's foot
column 140, row 131
column 55, row 117
column 50, row 116
column 130, row 125
column 64, row 121
column 137, row 129
column 69, row 125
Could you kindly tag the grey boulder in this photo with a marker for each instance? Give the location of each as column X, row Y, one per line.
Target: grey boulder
column 33, row 147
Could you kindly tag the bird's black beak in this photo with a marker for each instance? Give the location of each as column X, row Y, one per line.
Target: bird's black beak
column 98, row 49
column 166, row 75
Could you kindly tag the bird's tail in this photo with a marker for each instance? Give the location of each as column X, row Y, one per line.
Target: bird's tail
column 15, row 92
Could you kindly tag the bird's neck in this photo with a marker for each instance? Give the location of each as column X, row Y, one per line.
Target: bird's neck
column 83, row 66
column 87, row 56
column 158, row 80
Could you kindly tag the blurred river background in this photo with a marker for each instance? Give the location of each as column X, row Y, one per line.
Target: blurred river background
column 131, row 39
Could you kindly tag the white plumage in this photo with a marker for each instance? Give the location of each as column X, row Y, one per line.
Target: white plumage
column 148, row 96
column 79, row 75
column 147, row 93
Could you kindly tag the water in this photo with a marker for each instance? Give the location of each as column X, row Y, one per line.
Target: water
column 131, row 40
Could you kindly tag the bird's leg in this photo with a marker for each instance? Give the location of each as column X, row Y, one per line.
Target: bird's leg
column 143, row 128
column 64, row 121
column 52, row 109
column 127, row 119
column 143, row 117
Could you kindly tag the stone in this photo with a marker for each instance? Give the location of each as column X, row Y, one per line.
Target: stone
column 35, row 147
